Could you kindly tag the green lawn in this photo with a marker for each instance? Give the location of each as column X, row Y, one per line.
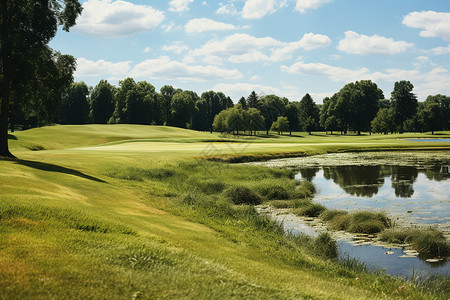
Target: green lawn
column 129, row 211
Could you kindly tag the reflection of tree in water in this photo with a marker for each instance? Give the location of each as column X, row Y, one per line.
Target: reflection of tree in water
column 403, row 179
column 309, row 173
column 356, row 180
column 434, row 173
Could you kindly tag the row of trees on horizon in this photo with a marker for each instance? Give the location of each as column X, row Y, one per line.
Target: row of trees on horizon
column 359, row 106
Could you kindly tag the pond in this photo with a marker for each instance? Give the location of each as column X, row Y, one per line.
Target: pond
column 408, row 186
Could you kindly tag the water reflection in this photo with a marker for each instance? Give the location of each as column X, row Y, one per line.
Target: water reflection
column 405, row 192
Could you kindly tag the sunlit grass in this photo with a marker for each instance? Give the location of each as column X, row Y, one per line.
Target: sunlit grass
column 155, row 221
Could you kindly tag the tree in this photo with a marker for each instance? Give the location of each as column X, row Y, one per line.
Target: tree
column 243, row 102
column 360, row 100
column 404, row 102
column 102, row 102
column 384, row 121
column 256, row 120
column 331, row 124
column 271, row 107
column 183, row 109
column 280, row 125
column 26, row 60
column 252, row 100
column 308, row 113
column 292, row 116
column 75, row 105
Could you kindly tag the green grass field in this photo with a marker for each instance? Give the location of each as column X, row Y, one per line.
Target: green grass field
column 128, row 211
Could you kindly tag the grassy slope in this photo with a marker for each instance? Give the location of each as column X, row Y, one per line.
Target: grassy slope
column 48, row 196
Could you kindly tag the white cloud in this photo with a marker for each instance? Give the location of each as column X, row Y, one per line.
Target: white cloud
column 242, row 48
column 165, row 68
column 177, row 47
column 235, row 45
column 255, row 78
column 227, row 9
column 101, row 68
column 434, row 24
column 303, row 5
column 355, row 43
column 203, row 24
column 440, row 50
column 147, row 50
column 108, row 18
column 256, row 9
column 179, row 5
column 334, row 73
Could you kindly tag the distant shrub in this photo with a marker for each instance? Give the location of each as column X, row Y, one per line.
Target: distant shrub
column 243, row 195
column 325, row 246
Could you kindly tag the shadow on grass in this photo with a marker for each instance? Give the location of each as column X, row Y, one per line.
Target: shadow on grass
column 12, row 137
column 54, row 168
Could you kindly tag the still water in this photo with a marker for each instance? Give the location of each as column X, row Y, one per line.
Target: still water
column 409, row 195
column 408, row 186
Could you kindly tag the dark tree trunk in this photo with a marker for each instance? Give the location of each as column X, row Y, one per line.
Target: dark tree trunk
column 4, row 84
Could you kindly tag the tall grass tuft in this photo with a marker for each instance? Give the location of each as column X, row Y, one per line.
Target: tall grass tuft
column 243, row 195
column 428, row 242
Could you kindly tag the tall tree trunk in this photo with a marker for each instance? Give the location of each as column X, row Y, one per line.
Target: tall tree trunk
column 5, row 82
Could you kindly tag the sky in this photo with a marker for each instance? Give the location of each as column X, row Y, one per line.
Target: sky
column 282, row 47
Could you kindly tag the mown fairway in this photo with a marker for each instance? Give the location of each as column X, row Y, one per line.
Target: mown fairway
column 128, row 211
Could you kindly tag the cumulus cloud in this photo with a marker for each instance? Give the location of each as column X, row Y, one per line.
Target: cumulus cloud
column 203, row 24
column 355, row 43
column 108, row 18
column 256, row 9
column 241, row 48
column 319, row 69
column 303, row 5
column 227, row 9
column 440, row 50
column 165, row 68
column 101, row 68
column 434, row 24
column 177, row 47
column 179, row 5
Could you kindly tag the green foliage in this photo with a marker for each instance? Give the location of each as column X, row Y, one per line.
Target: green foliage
column 325, row 246
column 428, row 242
column 280, row 125
column 243, row 195
column 384, row 122
column 102, row 102
column 308, row 113
column 140, row 174
column 404, row 102
column 75, row 106
column 358, row 222
column 310, row 210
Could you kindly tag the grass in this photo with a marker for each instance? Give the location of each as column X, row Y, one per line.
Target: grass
column 129, row 211
column 429, row 242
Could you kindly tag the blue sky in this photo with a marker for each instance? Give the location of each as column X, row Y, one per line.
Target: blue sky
column 283, row 47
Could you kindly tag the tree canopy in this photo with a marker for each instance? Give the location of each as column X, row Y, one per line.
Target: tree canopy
column 26, row 60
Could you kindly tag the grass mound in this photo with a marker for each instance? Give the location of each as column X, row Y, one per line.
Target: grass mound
column 243, row 195
column 429, row 242
column 310, row 210
column 358, row 222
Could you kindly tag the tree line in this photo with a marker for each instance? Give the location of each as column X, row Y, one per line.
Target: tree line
column 359, row 107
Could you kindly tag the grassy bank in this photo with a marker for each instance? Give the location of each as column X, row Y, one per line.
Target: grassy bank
column 132, row 212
